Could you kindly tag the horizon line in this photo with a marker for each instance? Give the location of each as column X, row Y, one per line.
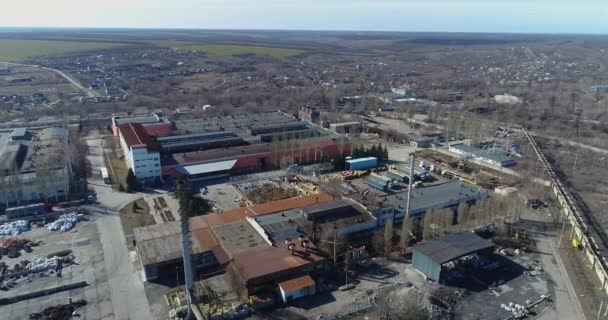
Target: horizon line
column 297, row 30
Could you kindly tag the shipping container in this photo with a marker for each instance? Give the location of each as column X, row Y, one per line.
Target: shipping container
column 398, row 175
column 362, row 163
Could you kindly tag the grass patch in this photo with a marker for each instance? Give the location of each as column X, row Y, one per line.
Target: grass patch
column 120, row 171
column 135, row 215
column 14, row 49
column 226, row 50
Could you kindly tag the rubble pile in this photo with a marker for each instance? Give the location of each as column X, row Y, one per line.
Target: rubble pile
column 14, row 228
column 12, row 245
column 534, row 269
column 65, row 222
column 58, row 312
column 24, row 270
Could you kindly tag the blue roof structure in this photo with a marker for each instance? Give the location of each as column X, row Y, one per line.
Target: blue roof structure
column 358, row 160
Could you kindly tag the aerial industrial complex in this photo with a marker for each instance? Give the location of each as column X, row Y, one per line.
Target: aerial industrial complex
column 291, row 213
column 155, row 148
column 344, row 178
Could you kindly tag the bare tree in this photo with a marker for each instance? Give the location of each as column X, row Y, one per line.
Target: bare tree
column 388, row 237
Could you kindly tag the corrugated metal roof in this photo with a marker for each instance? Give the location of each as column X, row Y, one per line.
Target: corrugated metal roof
column 209, row 167
column 452, row 246
column 267, row 261
column 361, row 160
column 436, row 196
column 297, row 283
column 161, row 242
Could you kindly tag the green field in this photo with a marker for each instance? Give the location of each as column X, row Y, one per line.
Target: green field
column 225, row 50
column 14, row 50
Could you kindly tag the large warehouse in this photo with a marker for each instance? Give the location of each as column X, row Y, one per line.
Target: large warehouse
column 430, row 256
column 34, row 165
column 213, row 147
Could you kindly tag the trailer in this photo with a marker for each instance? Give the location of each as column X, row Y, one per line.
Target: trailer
column 105, row 176
column 362, row 163
column 377, row 183
column 24, row 211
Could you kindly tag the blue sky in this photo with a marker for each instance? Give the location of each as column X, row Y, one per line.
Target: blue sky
column 529, row 16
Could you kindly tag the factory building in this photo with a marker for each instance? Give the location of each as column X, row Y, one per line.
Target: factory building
column 443, row 196
column 214, row 244
column 494, row 156
column 202, row 148
column 311, row 115
column 346, row 127
column 430, row 257
column 155, row 124
column 141, row 153
column 34, row 165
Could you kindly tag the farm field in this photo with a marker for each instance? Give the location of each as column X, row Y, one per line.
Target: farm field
column 225, row 50
column 15, row 50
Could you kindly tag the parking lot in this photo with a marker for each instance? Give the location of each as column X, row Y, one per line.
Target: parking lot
column 223, row 195
column 89, row 266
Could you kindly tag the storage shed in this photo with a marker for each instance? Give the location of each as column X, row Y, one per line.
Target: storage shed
column 429, row 256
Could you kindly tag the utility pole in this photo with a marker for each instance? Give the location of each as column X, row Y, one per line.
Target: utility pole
column 409, row 190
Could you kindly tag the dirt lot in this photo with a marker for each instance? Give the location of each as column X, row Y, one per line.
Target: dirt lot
column 84, row 242
column 135, row 215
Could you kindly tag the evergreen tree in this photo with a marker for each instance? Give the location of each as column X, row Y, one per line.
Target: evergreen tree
column 132, row 184
column 185, row 197
column 385, row 153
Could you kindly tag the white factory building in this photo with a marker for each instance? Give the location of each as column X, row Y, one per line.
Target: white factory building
column 141, row 156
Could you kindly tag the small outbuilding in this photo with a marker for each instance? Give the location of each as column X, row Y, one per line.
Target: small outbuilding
column 429, row 256
column 297, row 288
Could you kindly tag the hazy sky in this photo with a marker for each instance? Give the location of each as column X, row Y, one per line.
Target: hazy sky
column 536, row 16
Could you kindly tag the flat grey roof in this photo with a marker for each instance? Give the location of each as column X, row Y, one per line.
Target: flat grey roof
column 452, row 246
column 209, row 167
column 18, row 132
column 437, row 196
column 137, row 119
column 238, row 236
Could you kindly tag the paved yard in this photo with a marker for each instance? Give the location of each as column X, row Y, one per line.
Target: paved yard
column 83, row 240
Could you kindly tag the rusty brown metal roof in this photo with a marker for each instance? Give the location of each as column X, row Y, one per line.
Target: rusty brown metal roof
column 267, row 261
column 161, row 242
column 297, row 283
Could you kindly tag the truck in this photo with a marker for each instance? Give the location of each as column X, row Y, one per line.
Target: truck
column 104, row 175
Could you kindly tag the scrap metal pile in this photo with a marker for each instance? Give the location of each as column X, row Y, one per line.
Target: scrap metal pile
column 25, row 270
column 13, row 245
column 65, row 222
column 58, row 312
column 14, row 228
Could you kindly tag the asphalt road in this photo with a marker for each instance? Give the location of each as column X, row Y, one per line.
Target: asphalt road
column 127, row 292
column 73, row 81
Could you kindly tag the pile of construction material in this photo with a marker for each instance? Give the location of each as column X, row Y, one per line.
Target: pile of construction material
column 65, row 222
column 534, row 269
column 14, row 228
column 58, row 312
column 13, row 245
column 267, row 191
column 24, row 270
